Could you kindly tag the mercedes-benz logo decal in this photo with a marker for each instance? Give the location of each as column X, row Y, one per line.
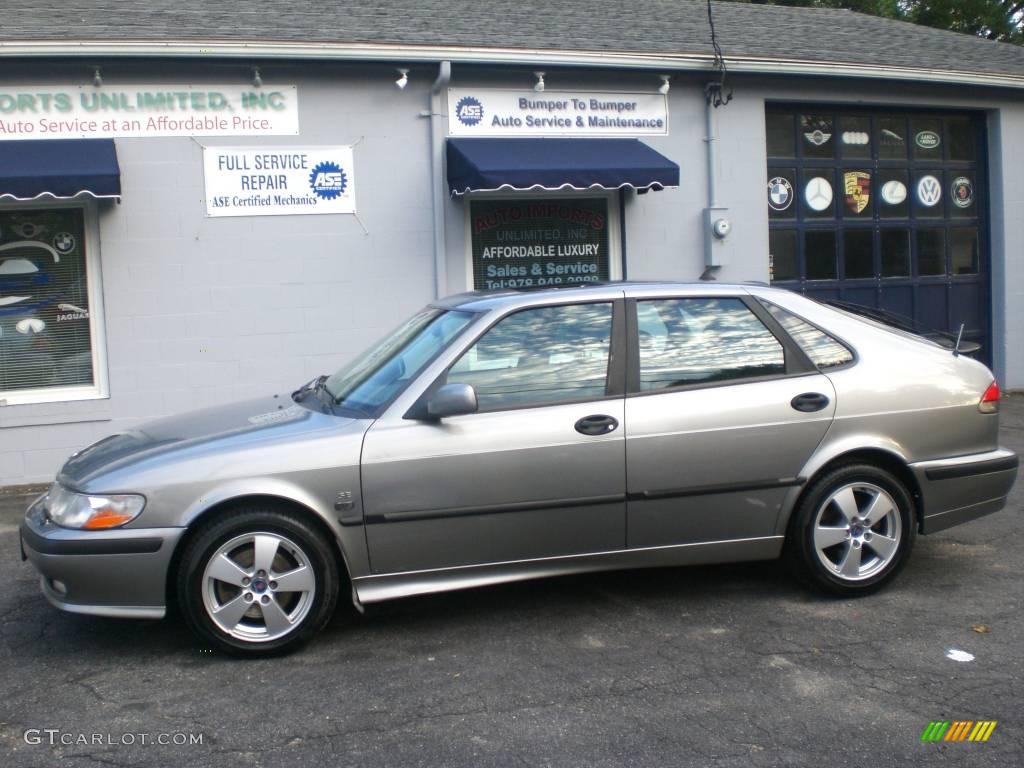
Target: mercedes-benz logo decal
column 818, row 194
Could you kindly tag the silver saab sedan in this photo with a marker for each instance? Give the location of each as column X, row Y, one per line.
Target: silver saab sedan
column 507, row 436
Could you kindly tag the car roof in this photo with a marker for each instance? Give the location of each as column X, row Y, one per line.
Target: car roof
column 483, row 301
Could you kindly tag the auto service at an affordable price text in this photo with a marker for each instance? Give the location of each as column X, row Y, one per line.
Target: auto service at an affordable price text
column 143, row 111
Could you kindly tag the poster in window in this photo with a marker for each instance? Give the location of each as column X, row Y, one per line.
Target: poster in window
column 44, row 300
column 531, row 243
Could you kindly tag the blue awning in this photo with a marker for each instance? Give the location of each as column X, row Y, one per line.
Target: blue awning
column 61, row 169
column 476, row 165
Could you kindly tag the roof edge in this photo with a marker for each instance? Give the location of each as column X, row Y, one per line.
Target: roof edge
column 410, row 53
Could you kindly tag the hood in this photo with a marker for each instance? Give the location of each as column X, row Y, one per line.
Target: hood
column 229, row 427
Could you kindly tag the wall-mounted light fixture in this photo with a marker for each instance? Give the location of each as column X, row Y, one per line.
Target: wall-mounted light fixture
column 539, row 87
column 97, row 78
column 257, row 78
column 403, row 79
column 663, row 89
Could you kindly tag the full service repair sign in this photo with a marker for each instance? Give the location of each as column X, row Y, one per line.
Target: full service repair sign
column 481, row 112
column 138, row 111
column 279, row 181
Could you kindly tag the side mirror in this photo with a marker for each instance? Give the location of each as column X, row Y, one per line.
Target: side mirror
column 452, row 400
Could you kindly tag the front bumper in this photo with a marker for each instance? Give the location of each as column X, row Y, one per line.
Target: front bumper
column 121, row 572
column 963, row 488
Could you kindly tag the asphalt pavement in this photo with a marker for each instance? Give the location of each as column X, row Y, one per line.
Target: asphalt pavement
column 714, row 666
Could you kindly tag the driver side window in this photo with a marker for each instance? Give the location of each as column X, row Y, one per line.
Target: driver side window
column 540, row 356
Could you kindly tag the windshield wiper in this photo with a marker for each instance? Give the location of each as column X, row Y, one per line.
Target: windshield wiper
column 313, row 385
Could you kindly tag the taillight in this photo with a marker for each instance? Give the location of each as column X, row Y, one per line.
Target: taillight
column 990, row 400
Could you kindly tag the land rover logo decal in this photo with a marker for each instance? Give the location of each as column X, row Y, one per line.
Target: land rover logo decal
column 927, row 139
column 929, row 191
column 963, row 192
column 780, row 194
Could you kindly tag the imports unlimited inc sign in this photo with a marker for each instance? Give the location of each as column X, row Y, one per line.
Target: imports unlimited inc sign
column 138, row 111
column 279, row 181
column 481, row 112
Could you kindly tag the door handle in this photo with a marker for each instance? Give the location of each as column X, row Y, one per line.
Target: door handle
column 598, row 424
column 809, row 402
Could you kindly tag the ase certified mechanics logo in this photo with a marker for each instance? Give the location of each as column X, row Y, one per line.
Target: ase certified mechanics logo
column 328, row 180
column 469, row 111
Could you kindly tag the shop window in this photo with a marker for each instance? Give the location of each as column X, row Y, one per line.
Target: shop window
column 895, row 252
column 931, row 252
column 781, row 136
column 964, row 251
column 783, row 264
column 47, row 335
column 540, row 357
column 525, row 243
column 820, row 254
column 858, row 254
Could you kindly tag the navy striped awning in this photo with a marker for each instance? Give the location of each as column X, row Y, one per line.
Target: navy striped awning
column 59, row 169
column 478, row 165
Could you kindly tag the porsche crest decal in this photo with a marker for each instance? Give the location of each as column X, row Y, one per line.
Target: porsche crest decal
column 857, row 185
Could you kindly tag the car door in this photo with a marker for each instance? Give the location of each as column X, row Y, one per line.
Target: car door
column 538, row 471
column 723, row 411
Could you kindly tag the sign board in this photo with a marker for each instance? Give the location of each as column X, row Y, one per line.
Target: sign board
column 482, row 112
column 279, row 181
column 138, row 111
column 527, row 243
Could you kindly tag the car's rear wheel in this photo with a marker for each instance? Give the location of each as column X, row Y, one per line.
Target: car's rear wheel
column 257, row 582
column 852, row 531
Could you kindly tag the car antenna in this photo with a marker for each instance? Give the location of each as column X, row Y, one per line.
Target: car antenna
column 959, row 335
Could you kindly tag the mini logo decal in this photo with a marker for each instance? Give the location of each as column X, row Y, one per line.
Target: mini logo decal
column 469, row 111
column 817, row 137
column 894, row 192
column 780, row 194
column 328, row 180
column 927, row 139
column 929, row 191
column 818, row 194
column 962, row 191
column 857, row 185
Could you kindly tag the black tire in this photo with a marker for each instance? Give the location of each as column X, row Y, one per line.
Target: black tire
column 883, row 562
column 298, row 544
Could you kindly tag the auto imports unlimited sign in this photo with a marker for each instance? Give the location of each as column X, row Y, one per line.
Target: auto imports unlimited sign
column 279, row 181
column 481, row 112
column 138, row 111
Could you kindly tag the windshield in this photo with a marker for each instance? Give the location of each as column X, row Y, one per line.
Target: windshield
column 371, row 380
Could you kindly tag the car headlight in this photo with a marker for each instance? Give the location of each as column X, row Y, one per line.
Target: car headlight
column 78, row 510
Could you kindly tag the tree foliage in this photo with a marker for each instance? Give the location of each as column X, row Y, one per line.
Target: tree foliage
column 993, row 19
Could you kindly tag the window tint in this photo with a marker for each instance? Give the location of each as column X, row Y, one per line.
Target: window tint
column 703, row 341
column 540, row 356
column 824, row 351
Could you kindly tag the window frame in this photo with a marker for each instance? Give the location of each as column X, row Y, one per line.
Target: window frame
column 100, row 388
column 797, row 363
column 615, row 376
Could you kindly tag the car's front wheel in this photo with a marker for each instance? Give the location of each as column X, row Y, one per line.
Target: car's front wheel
column 852, row 531
column 257, row 582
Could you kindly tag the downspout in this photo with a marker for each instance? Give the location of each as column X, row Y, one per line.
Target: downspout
column 711, row 155
column 438, row 181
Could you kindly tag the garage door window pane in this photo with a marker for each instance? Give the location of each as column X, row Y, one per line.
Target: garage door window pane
column 892, row 138
column 820, row 253
column 961, row 138
column 964, row 253
column 895, row 245
column 817, row 136
column 858, row 254
column 685, row 342
column 781, row 136
column 783, row 259
column 855, row 136
column 931, row 252
column 45, row 320
column 540, row 356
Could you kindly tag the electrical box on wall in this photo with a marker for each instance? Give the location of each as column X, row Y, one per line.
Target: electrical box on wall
column 717, row 237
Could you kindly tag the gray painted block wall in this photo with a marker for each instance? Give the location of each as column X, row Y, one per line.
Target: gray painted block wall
column 278, row 300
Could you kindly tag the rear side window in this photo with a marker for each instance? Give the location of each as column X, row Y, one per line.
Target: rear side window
column 540, row 357
column 685, row 342
column 824, row 351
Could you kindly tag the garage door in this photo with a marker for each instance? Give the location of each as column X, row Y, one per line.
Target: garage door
column 885, row 209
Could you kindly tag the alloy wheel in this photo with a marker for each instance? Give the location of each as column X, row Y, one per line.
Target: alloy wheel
column 857, row 531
